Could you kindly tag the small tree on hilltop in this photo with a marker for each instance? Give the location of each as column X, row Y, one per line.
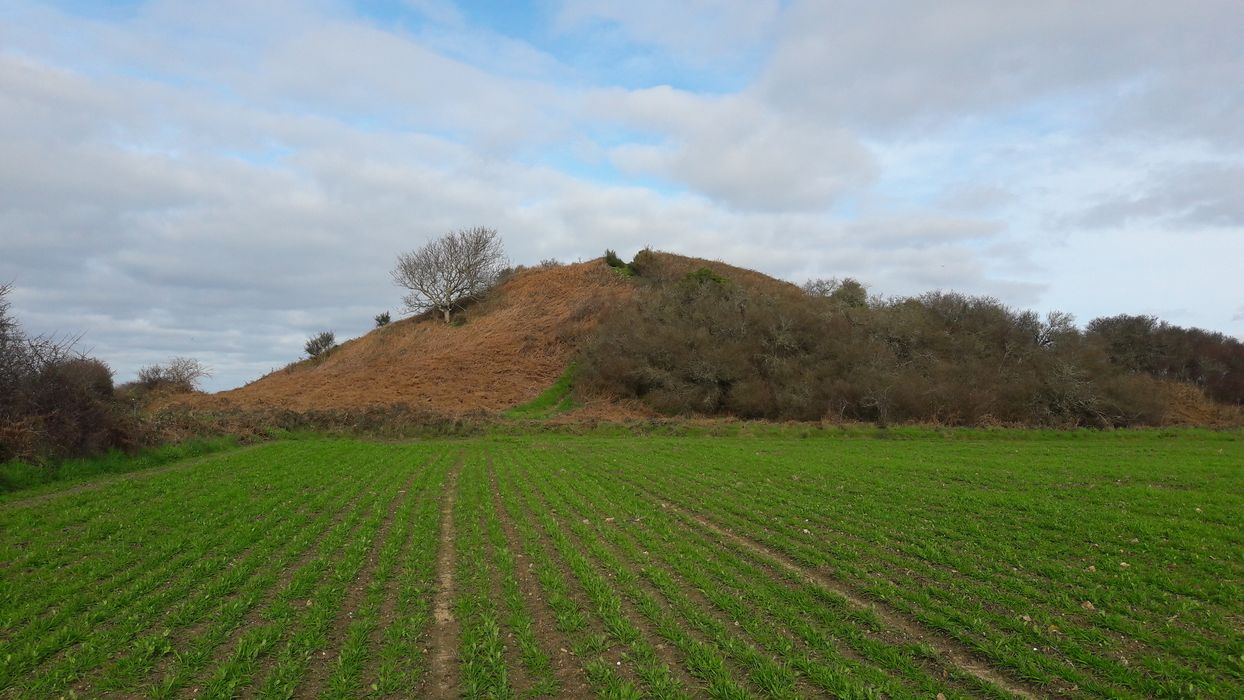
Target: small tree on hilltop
column 451, row 270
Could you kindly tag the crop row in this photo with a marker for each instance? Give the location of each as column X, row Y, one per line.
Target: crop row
column 1121, row 581
column 616, row 567
column 224, row 578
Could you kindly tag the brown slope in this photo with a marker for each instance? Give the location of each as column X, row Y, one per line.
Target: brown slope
column 510, row 347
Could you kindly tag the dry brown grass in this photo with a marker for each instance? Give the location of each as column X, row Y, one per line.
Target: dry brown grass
column 1189, row 406
column 509, row 348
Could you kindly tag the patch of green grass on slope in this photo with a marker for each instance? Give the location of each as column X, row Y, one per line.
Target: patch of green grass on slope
column 552, row 401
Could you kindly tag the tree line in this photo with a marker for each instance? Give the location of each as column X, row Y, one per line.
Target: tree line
column 701, row 343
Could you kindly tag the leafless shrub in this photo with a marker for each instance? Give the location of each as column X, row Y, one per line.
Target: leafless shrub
column 54, row 400
column 178, row 375
column 1211, row 361
column 444, row 274
column 7, row 324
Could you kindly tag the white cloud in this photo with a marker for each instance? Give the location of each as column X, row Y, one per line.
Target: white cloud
column 1199, row 194
column 903, row 63
column 736, row 151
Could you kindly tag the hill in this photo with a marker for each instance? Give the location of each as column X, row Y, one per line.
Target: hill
column 686, row 336
column 498, row 353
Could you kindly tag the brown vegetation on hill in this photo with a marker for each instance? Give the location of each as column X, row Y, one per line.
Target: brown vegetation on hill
column 502, row 351
column 1188, row 405
column 674, row 335
column 662, row 268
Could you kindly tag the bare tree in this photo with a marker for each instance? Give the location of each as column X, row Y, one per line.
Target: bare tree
column 453, row 269
column 24, row 357
column 7, row 324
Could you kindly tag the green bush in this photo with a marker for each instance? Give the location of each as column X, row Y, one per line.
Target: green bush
column 623, row 268
column 320, row 344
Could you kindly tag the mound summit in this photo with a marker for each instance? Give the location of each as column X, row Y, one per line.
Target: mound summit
column 499, row 353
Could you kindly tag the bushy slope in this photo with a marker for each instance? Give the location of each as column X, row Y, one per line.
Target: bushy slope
column 716, row 340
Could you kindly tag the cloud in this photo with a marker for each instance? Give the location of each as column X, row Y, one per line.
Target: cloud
column 1202, row 194
column 736, row 151
column 1188, row 277
column 905, row 64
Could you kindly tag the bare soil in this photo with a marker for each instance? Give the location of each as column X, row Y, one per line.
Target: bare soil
column 444, row 677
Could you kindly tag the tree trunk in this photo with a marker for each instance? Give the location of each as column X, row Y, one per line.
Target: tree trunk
column 446, row 310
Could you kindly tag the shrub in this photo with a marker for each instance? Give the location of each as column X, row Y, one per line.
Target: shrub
column 177, row 375
column 705, row 276
column 320, row 344
column 846, row 291
column 93, row 376
column 645, row 261
column 617, row 265
column 701, row 343
column 55, row 401
column 383, row 319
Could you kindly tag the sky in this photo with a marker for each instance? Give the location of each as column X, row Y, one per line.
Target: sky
column 223, row 179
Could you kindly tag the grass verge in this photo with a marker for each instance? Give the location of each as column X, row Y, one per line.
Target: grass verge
column 21, row 476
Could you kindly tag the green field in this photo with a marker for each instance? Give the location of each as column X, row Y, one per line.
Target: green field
column 877, row 565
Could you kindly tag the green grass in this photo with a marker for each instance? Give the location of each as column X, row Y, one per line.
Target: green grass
column 556, row 399
column 1077, row 564
column 21, row 476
